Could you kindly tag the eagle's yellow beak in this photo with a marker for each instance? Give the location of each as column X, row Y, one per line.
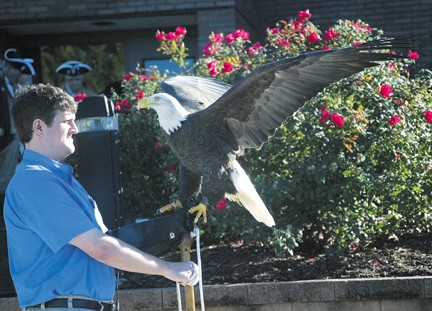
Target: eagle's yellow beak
column 143, row 103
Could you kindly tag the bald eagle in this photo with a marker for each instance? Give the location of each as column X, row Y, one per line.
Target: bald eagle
column 208, row 123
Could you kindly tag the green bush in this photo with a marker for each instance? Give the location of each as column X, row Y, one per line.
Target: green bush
column 354, row 163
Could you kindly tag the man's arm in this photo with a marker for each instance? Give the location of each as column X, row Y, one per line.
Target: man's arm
column 120, row 255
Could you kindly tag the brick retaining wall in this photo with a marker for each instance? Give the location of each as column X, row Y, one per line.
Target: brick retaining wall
column 380, row 294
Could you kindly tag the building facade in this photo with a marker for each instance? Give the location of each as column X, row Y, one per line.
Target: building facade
column 32, row 24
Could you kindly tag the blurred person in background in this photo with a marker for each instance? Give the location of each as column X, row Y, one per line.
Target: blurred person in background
column 16, row 71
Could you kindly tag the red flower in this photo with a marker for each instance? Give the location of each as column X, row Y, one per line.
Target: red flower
column 127, row 77
column 312, row 38
column 325, row 115
column 275, row 30
column 386, row 90
column 124, row 103
column 428, row 116
column 227, row 67
column 213, row 72
column 157, row 145
column 171, row 36
column 326, row 47
column 394, row 120
column 221, row 205
column 171, row 169
column 304, row 14
column 230, row 38
column 160, row 36
column 180, row 31
column 144, row 78
column 330, row 35
column 139, row 95
column 355, row 43
column 79, row 97
column 413, row 55
column 117, row 106
column 337, row 119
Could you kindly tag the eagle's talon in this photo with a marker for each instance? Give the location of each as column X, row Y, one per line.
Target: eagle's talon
column 173, row 206
column 201, row 210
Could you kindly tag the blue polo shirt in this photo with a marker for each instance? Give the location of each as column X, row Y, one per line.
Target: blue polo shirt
column 45, row 208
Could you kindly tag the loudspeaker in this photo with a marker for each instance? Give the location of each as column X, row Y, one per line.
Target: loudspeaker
column 98, row 157
column 7, row 288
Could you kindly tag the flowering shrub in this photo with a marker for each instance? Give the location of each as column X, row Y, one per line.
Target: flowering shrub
column 352, row 164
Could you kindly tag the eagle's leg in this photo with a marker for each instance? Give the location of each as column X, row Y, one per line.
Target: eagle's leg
column 200, row 210
column 173, row 206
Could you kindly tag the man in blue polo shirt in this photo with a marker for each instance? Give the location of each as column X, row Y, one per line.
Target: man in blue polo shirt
column 59, row 254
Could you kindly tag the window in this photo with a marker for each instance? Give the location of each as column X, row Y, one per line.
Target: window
column 169, row 65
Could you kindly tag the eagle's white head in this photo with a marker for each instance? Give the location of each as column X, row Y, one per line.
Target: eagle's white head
column 169, row 110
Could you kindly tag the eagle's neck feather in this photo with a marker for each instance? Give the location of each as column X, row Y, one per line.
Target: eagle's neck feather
column 171, row 115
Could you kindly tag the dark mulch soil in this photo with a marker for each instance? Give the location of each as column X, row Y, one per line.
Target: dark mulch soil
column 238, row 263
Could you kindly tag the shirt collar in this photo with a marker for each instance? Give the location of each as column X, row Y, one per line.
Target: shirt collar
column 61, row 169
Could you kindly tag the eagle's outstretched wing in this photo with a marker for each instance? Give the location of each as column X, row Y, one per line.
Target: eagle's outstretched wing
column 194, row 93
column 256, row 106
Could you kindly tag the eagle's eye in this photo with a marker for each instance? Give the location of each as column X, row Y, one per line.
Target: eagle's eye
column 156, row 98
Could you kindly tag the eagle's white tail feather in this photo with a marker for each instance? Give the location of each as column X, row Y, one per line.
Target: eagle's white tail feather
column 247, row 196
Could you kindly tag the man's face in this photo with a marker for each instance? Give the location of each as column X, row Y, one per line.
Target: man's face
column 74, row 83
column 59, row 135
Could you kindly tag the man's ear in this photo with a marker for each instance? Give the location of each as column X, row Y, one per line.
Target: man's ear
column 38, row 126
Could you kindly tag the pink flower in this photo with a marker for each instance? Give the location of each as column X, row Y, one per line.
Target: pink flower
column 337, row 119
column 230, row 39
column 157, row 145
column 326, row 47
column 413, row 55
column 171, row 36
column 304, row 14
column 127, row 77
column 227, row 67
column 124, row 103
column 209, row 49
column 254, row 48
column 160, row 36
column 212, row 64
column 275, row 30
column 217, row 38
column 221, row 205
column 283, row 42
column 241, row 33
column 386, row 90
column 79, row 97
column 394, row 120
column 139, row 95
column 117, row 107
column 312, row 38
column 428, row 116
column 180, row 31
column 355, row 43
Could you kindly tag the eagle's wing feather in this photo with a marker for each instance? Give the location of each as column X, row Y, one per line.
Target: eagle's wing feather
column 255, row 107
column 194, row 93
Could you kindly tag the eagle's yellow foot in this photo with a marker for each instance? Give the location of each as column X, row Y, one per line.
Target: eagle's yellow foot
column 201, row 210
column 173, row 206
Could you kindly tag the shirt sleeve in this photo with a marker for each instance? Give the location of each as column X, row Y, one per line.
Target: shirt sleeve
column 51, row 211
